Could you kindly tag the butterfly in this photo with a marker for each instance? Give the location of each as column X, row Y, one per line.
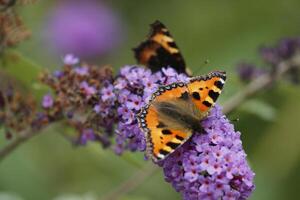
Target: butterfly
column 174, row 112
column 160, row 50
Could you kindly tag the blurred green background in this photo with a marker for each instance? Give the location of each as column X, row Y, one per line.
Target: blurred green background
column 223, row 32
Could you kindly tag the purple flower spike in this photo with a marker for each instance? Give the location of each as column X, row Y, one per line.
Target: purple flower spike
column 285, row 49
column 47, row 101
column 205, row 168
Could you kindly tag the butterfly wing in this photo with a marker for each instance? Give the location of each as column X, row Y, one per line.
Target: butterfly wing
column 163, row 136
column 159, row 50
column 206, row 89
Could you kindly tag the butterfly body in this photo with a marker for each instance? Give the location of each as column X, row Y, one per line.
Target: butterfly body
column 175, row 111
column 179, row 114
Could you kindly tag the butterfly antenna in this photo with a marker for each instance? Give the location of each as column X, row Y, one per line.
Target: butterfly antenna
column 203, row 65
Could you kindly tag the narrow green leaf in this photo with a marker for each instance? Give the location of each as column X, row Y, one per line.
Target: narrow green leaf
column 259, row 108
column 24, row 70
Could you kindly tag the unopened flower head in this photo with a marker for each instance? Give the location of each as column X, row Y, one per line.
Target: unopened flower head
column 17, row 110
column 287, row 51
column 283, row 50
column 248, row 72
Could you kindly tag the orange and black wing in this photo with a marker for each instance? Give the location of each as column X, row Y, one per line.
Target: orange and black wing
column 159, row 50
column 163, row 137
column 206, row 89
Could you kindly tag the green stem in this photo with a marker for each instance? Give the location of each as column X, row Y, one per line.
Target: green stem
column 132, row 182
column 254, row 87
column 22, row 138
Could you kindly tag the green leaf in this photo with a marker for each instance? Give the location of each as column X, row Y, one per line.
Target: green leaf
column 263, row 110
column 9, row 196
column 24, row 70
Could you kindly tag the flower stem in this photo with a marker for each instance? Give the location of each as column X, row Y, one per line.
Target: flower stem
column 23, row 137
column 132, row 182
column 256, row 86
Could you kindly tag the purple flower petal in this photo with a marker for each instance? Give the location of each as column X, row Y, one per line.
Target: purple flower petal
column 87, row 135
column 82, row 71
column 47, row 101
column 88, row 90
column 70, row 59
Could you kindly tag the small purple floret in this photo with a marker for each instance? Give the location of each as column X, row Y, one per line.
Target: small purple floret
column 47, row 101
column 58, row 74
column 70, row 59
column 88, row 90
column 87, row 135
column 82, row 71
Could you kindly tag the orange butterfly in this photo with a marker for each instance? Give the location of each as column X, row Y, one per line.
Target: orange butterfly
column 175, row 111
column 160, row 50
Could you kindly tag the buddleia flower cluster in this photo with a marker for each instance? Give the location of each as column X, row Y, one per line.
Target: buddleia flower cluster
column 212, row 164
column 286, row 50
column 76, row 92
column 102, row 107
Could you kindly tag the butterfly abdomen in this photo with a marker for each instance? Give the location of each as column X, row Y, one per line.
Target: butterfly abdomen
column 177, row 116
